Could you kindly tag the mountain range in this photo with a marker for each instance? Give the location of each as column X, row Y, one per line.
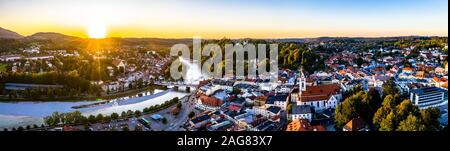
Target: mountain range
column 53, row 36
column 8, row 34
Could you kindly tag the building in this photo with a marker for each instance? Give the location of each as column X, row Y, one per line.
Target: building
column 356, row 124
column 205, row 102
column 427, row 97
column 119, row 64
column 277, row 100
column 200, row 121
column 320, row 97
column 303, row 125
column 40, row 58
column 274, row 110
column 302, row 112
column 8, row 58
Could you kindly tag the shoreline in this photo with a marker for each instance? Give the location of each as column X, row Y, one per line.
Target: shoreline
column 86, row 98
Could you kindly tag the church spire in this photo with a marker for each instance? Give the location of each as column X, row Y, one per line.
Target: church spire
column 302, row 83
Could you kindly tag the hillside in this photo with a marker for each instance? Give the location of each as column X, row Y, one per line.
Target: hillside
column 7, row 34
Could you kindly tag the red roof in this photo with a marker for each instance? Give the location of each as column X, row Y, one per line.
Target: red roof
column 355, row 124
column 210, row 101
column 320, row 92
column 234, row 107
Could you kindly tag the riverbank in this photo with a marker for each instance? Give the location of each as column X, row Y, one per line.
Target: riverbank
column 5, row 99
column 29, row 113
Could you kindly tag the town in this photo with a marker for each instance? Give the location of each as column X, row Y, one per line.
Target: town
column 324, row 84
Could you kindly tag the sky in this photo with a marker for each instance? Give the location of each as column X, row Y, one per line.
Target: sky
column 228, row 18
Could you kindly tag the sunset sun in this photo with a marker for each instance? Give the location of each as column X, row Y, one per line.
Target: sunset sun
column 96, row 30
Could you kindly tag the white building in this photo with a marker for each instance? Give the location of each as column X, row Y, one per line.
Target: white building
column 428, row 97
column 301, row 112
column 8, row 58
column 320, row 97
column 278, row 100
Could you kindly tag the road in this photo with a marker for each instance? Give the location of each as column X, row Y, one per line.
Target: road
column 188, row 105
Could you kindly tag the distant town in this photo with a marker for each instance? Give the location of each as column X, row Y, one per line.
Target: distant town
column 324, row 84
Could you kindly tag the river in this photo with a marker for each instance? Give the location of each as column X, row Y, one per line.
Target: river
column 29, row 113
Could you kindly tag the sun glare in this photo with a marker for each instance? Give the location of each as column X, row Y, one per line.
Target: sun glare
column 97, row 30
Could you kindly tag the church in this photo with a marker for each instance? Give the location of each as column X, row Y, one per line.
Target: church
column 320, row 97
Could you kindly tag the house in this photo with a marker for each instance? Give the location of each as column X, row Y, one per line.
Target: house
column 222, row 126
column 175, row 111
column 274, row 110
column 356, row 124
column 439, row 82
column 260, row 101
column 303, row 125
column 119, row 64
column 378, row 81
column 200, row 121
column 407, row 70
column 420, row 74
column 294, row 94
column 283, row 89
column 277, row 100
column 303, row 112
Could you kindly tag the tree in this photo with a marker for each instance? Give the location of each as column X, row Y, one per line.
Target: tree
column 137, row 113
column 179, row 105
column 191, row 114
column 430, row 118
column 388, row 124
column 125, row 128
column 406, row 108
column 350, row 108
column 107, row 119
column 412, row 123
column 359, row 61
column 5, row 129
column 114, row 116
column 130, row 113
column 113, row 128
column 138, row 128
column 140, row 83
column 289, row 108
column 28, row 127
column 389, row 88
column 53, row 119
column 87, row 128
column 372, row 102
column 92, row 119
column 236, row 91
column 99, row 118
column 123, row 114
column 20, row 128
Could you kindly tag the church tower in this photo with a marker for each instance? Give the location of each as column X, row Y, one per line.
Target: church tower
column 302, row 82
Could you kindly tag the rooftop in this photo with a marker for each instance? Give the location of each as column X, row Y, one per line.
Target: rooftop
column 425, row 90
column 355, row 124
column 301, row 109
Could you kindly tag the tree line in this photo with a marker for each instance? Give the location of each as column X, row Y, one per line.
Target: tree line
column 387, row 113
column 76, row 118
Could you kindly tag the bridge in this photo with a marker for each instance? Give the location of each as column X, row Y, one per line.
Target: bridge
column 180, row 86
